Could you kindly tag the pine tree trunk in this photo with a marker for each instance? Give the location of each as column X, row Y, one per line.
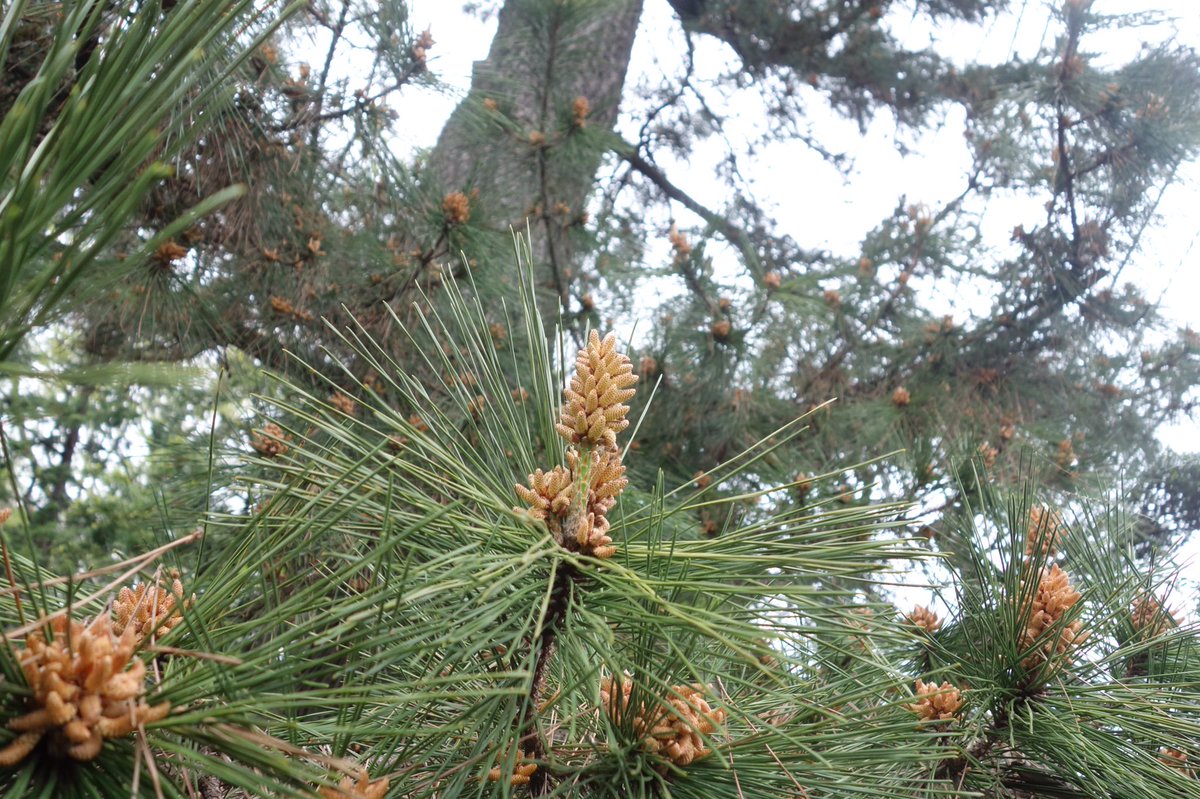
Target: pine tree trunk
column 538, row 156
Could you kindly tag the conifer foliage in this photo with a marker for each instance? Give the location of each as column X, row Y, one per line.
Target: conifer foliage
column 385, row 622
column 1062, row 366
column 452, row 550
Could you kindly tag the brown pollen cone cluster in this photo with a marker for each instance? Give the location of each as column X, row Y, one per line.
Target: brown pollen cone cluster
column 362, row 788
column 574, row 500
column 924, row 618
column 593, row 413
column 271, row 441
column 169, row 252
column 1052, row 599
column 580, row 109
column 522, row 772
column 936, row 702
column 456, row 208
column 343, row 403
column 87, row 686
column 1045, row 532
column 549, row 493
column 151, row 609
column 679, row 243
column 674, row 732
column 420, row 48
column 1151, row 617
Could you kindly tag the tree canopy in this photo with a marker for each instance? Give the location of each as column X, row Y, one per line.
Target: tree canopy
column 417, row 567
column 1058, row 360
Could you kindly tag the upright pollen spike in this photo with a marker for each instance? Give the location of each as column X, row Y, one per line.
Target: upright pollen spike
column 1053, row 597
column 594, row 410
column 574, row 500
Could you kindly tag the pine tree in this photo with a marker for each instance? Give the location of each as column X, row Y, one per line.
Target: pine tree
column 1068, row 373
column 466, row 553
column 479, row 601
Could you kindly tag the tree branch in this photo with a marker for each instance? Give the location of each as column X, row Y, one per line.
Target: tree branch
column 544, row 641
column 337, row 31
column 728, row 230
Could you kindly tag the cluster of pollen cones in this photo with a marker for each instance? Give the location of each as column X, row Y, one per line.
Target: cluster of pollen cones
column 676, row 729
column 574, row 500
column 87, row 682
column 522, row 771
column 1047, row 598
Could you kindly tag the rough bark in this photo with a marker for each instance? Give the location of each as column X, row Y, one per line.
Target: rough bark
column 536, row 164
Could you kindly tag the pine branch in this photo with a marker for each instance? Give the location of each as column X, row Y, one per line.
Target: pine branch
column 729, row 231
column 883, row 312
column 360, row 104
column 336, row 33
column 543, row 647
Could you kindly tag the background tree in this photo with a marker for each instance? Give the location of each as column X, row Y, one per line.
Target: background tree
column 1068, row 363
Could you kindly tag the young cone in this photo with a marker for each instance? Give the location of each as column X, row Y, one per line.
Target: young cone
column 87, row 686
column 936, row 702
column 593, row 412
column 574, row 500
column 1052, row 599
column 152, row 610
column 677, row 732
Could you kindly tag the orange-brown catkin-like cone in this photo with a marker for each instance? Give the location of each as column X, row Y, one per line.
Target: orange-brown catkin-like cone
column 1045, row 532
column 924, row 618
column 522, row 773
column 936, row 702
column 594, row 410
column 1151, row 617
column 86, row 685
column 574, row 500
column 152, row 609
column 1052, row 599
column 677, row 733
column 362, row 788
column 579, row 525
column 549, row 493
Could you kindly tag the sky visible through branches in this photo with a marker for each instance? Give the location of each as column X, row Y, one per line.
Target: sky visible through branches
column 832, row 210
column 827, row 208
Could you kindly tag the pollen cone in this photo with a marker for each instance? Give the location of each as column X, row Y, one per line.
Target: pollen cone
column 593, row 409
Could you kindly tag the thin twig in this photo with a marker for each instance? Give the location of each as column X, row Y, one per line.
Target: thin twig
column 140, row 563
column 728, row 230
column 337, row 32
column 544, row 641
